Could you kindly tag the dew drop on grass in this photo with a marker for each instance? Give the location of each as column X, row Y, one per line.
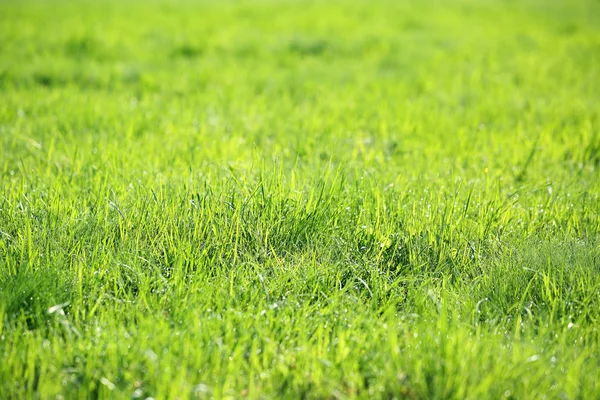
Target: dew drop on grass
column 533, row 358
column 107, row 383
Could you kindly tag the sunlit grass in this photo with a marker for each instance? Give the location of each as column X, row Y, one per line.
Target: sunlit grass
column 299, row 199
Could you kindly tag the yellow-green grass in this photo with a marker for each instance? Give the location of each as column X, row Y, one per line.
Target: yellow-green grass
column 320, row 199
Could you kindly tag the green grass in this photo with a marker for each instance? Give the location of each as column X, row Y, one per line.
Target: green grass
column 321, row 199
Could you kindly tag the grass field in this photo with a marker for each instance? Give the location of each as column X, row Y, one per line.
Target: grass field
column 317, row 199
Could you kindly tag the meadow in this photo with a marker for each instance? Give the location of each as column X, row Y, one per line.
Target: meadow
column 300, row 199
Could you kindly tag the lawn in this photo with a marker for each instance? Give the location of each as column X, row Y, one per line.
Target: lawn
column 300, row 199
